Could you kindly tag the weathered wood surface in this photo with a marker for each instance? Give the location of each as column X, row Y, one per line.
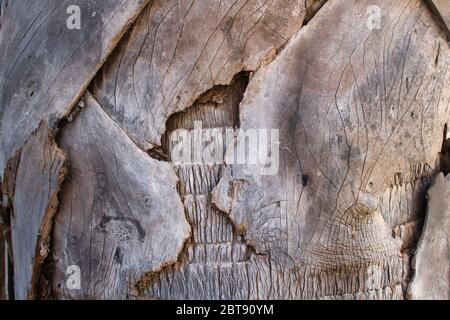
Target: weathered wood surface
column 179, row 49
column 45, row 66
column 120, row 215
column 3, row 5
column 431, row 263
column 441, row 9
column 2, row 263
column 39, row 175
column 214, row 261
column 360, row 111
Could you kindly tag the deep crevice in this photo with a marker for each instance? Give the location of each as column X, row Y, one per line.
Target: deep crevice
column 7, row 283
column 312, row 7
column 3, row 7
column 44, row 273
column 216, row 108
column 444, row 155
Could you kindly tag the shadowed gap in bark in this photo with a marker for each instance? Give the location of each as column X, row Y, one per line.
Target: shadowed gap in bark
column 216, row 108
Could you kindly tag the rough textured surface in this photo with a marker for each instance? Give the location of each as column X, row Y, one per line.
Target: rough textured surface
column 2, row 264
column 45, row 66
column 441, row 9
column 3, row 5
column 119, row 215
column 212, row 265
column 39, row 175
column 179, row 49
column 359, row 112
column 431, row 263
column 361, row 109
column 312, row 6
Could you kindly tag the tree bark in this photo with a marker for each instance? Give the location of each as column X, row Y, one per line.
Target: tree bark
column 121, row 168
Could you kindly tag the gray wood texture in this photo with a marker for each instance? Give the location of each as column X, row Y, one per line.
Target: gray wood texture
column 431, row 266
column 45, row 66
column 39, row 174
column 179, row 49
column 120, row 215
column 358, row 90
column 3, row 5
column 2, row 264
column 360, row 112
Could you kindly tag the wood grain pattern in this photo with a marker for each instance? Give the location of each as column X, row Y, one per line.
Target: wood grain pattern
column 441, row 9
column 180, row 49
column 358, row 91
column 3, row 5
column 431, row 266
column 39, row 174
column 359, row 111
column 2, row 263
column 120, row 214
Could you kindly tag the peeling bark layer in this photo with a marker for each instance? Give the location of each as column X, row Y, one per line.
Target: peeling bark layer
column 45, row 66
column 39, row 174
column 2, row 263
column 119, row 215
column 357, row 111
column 431, row 262
column 357, row 90
column 212, row 266
column 179, row 49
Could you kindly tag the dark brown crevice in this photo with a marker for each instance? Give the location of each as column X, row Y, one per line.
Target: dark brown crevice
column 43, row 242
column 43, row 282
column 3, row 7
column 216, row 108
column 213, row 96
column 7, row 191
column 3, row 254
column 43, row 260
column 6, row 269
column 157, row 153
column 444, row 155
column 6, row 212
column 42, row 268
column 312, row 7
column 42, row 273
column 10, row 272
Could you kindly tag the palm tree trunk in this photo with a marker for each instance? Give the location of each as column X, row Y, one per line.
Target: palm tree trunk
column 169, row 149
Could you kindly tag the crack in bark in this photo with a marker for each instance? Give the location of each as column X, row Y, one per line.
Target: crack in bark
column 444, row 167
column 42, row 241
column 312, row 7
column 231, row 95
column 3, row 7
